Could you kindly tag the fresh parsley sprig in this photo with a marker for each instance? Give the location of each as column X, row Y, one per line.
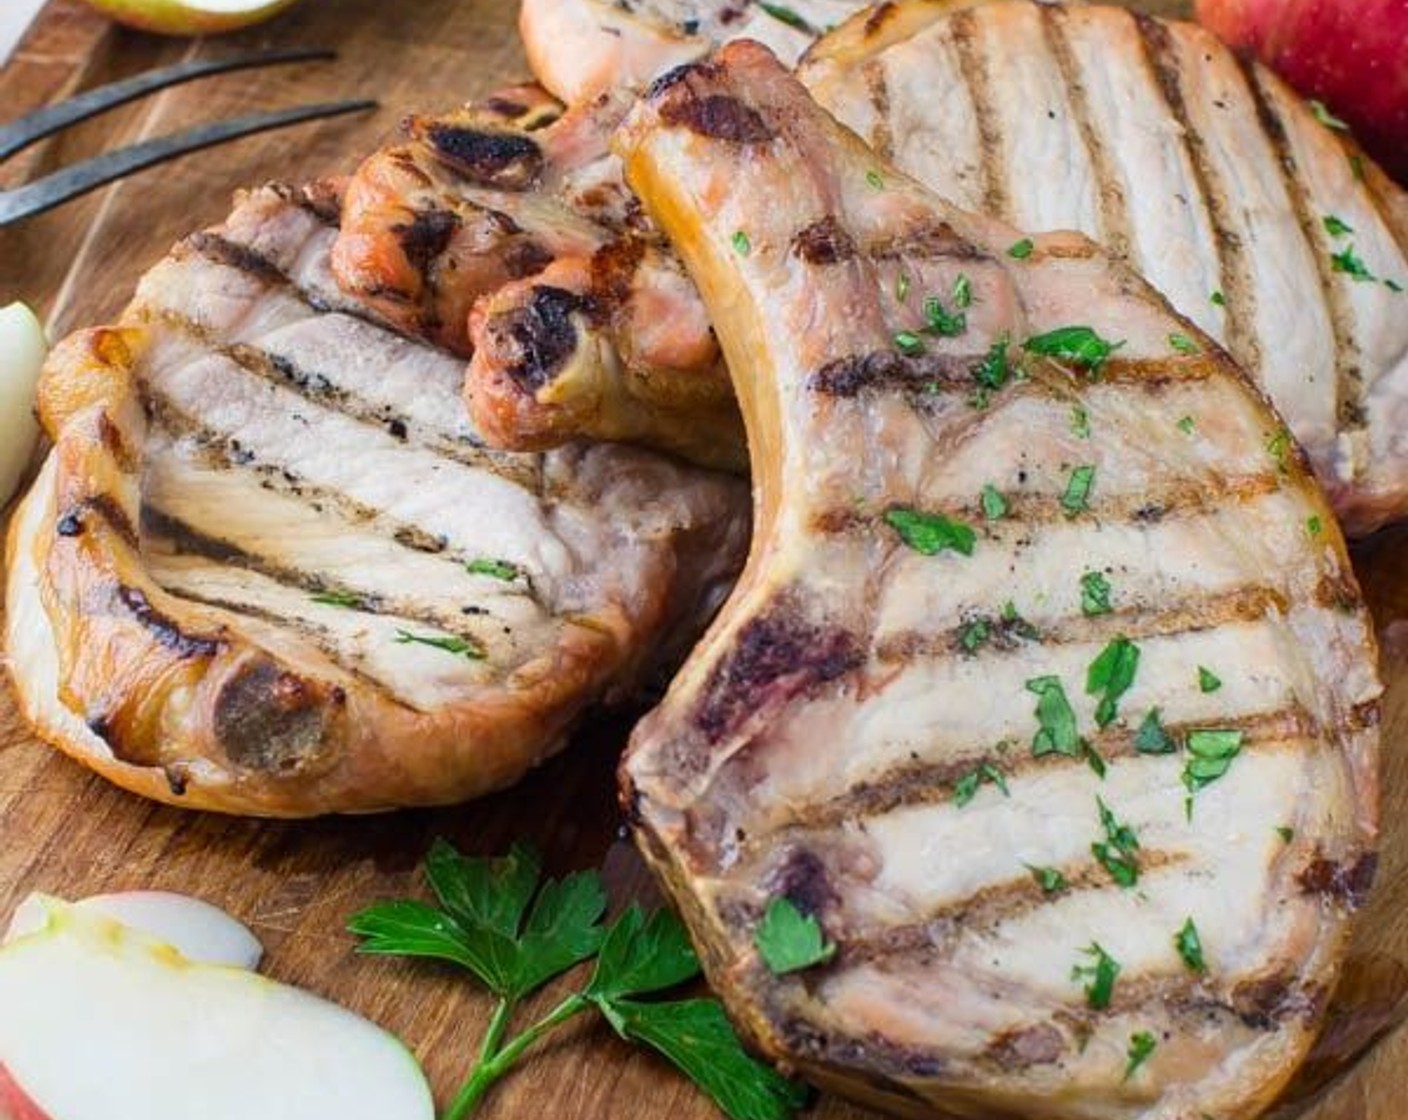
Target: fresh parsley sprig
column 515, row 931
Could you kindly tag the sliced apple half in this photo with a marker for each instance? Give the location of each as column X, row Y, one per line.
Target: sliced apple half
column 98, row 1020
column 23, row 349
column 199, row 931
column 190, row 17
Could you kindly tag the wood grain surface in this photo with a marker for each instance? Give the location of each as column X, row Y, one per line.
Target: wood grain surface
column 64, row 831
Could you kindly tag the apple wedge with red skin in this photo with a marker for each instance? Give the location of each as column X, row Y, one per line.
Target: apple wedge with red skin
column 1350, row 54
column 99, row 1020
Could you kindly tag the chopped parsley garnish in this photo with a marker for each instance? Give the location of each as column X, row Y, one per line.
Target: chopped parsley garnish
column 1056, row 719
column 1141, row 1046
column 1314, row 526
column 1094, row 594
column 1014, row 623
column 909, row 344
column 1153, row 737
column 741, row 243
column 1078, row 487
column 966, row 788
column 1349, row 262
column 788, row 16
column 1099, row 977
column 1218, row 299
column 931, row 533
column 498, row 569
column 902, row 287
column 993, row 372
column 939, row 321
column 1208, row 681
column 1285, row 833
column 994, row 504
column 1190, row 947
column 1183, row 344
column 346, row 599
column 975, row 634
column 1211, row 754
column 1021, row 250
column 1049, row 879
column 1080, row 422
column 1279, row 447
column 874, row 179
column 789, row 941
column 1116, row 852
column 1335, row 227
column 1111, row 673
column 1076, row 346
column 458, row 646
column 1187, row 425
column 1325, row 117
column 962, row 293
column 1095, row 760
column 1356, row 166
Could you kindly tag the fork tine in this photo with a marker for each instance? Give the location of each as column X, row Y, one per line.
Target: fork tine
column 50, row 191
column 19, row 134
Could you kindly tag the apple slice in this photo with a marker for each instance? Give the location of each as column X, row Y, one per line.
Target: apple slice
column 190, row 17
column 201, row 932
column 98, row 1021
column 23, row 349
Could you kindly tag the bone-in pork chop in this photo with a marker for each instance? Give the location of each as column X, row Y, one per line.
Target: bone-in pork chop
column 271, row 568
column 1030, row 770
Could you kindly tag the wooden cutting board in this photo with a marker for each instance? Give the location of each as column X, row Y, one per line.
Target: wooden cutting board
column 295, row 884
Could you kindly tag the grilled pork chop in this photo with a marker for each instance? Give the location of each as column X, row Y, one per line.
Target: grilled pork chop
column 1047, row 692
column 270, row 568
column 504, row 232
column 578, row 48
column 1204, row 171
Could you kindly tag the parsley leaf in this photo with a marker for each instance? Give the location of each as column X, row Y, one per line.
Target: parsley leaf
column 966, row 788
column 975, row 634
column 1094, row 594
column 1187, row 425
column 497, row 569
column 931, row 533
column 1208, row 681
column 939, row 321
column 1190, row 947
column 1021, row 250
column 1183, row 344
column 994, row 504
column 1141, row 1046
column 1076, row 346
column 1116, row 853
column 962, row 292
column 875, row 180
column 347, row 599
column 909, row 344
column 788, row 16
column 1080, row 422
column 1056, row 718
column 1278, row 444
column 1099, row 977
column 1335, row 227
column 789, row 940
column 1349, row 262
column 462, row 647
column 1078, row 487
column 1286, row 833
column 742, row 245
column 902, row 287
column 1111, row 673
column 993, row 372
column 1218, row 299
column 1211, row 754
column 1152, row 737
column 641, row 955
column 1325, row 117
column 1313, row 525
column 1049, row 879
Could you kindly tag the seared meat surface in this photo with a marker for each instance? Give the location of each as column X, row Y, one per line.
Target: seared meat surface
column 271, row 568
column 1047, row 693
column 1203, row 171
column 578, row 48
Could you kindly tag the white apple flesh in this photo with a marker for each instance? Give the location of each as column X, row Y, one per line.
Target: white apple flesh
column 23, row 349
column 189, row 17
column 201, row 932
column 99, row 1021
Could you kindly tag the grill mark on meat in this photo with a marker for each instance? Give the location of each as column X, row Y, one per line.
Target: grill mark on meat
column 185, row 539
column 933, row 783
column 973, row 65
column 267, row 718
column 105, row 506
column 1115, row 231
column 426, row 236
column 824, row 242
column 778, row 656
column 167, row 633
column 849, row 377
column 1346, row 884
column 535, row 340
column 1021, row 1048
column 1349, row 373
column 506, row 161
column 1237, row 290
column 880, row 15
column 613, row 272
column 877, row 86
column 715, row 115
column 928, row 242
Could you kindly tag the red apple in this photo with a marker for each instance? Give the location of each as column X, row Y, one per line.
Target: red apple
column 1350, row 54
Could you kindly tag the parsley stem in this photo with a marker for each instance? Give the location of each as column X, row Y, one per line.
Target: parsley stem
column 493, row 1065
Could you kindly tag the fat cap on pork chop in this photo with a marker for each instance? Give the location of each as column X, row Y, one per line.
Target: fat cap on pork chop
column 955, row 709
column 270, row 567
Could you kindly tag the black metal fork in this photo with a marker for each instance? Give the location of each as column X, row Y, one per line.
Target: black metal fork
column 70, row 182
